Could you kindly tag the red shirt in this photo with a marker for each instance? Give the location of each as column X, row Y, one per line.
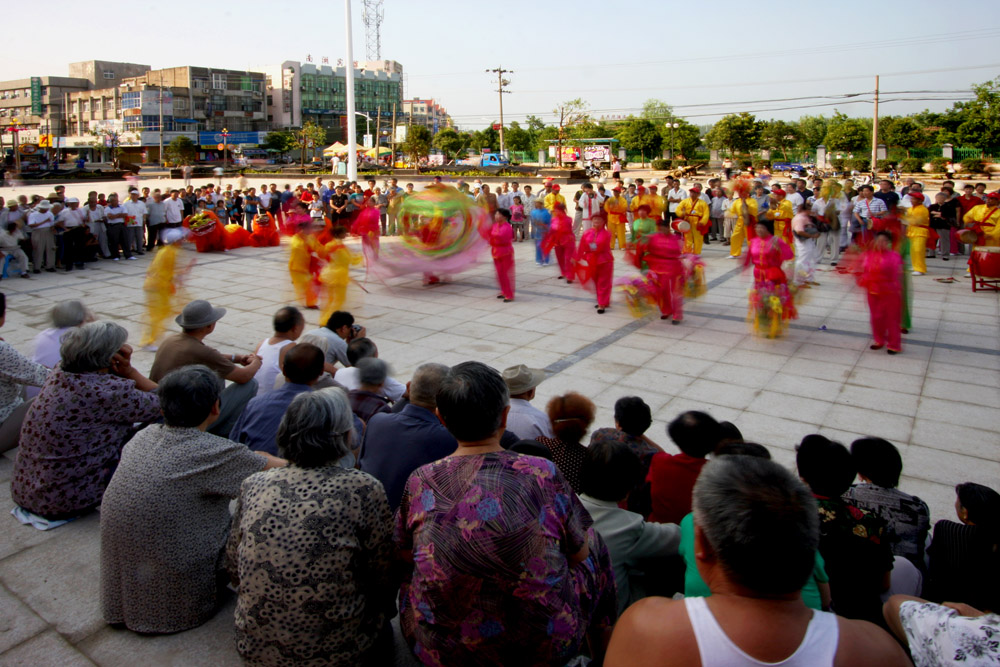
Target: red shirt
column 671, row 480
column 968, row 202
column 306, row 196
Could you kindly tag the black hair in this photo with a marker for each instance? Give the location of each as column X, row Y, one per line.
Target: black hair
column 303, row 363
column 826, row 466
column 359, row 348
column 741, row 448
column 3, row 304
column 885, row 233
column 187, row 395
column 505, row 213
column 11, row 227
column 768, row 224
column 633, row 415
column 609, row 470
column 730, row 432
column 981, row 502
column 339, row 319
column 287, row 318
column 531, row 448
column 471, row 401
column 696, row 433
column 878, row 460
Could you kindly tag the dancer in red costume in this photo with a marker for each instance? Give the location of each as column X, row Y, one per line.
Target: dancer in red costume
column 366, row 225
column 561, row 239
column 770, row 297
column 661, row 252
column 881, row 273
column 595, row 261
column 265, row 233
column 501, row 237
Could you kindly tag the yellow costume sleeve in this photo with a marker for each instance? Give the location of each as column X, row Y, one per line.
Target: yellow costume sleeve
column 160, row 274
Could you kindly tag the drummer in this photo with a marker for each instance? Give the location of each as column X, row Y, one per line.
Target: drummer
column 984, row 220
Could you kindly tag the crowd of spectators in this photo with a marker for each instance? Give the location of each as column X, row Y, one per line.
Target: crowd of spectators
column 497, row 532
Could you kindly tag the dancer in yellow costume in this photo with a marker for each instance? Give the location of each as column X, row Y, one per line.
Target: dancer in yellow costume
column 744, row 209
column 336, row 275
column 984, row 220
column 782, row 212
column 648, row 198
column 616, row 207
column 161, row 285
column 694, row 211
column 918, row 222
column 303, row 263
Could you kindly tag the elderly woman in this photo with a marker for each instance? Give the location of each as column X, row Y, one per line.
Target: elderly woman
column 65, row 316
column 16, row 371
column 501, row 567
column 76, row 427
column 571, row 415
column 310, row 547
column 165, row 515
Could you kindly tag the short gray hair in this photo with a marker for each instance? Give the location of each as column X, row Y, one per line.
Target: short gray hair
column 317, row 428
column 426, row 383
column 760, row 520
column 314, row 339
column 372, row 371
column 89, row 348
column 70, row 313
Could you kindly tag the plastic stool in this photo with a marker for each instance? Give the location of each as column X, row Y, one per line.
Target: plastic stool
column 6, row 264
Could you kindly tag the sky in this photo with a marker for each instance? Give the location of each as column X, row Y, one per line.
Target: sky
column 815, row 59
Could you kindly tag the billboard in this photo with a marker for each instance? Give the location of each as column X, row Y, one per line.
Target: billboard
column 36, row 96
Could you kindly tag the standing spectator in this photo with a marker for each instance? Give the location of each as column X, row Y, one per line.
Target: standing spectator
column 93, row 215
column 887, row 195
column 590, row 206
column 71, row 220
column 672, row 476
column 944, row 214
column 137, row 216
column 173, row 210
column 570, row 415
column 43, row 239
column 525, row 420
column 10, row 246
column 720, row 205
column 117, row 232
column 616, row 168
column 675, row 195
column 866, row 210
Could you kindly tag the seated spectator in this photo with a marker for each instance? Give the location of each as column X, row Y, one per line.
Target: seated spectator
column 257, row 427
column 671, row 477
column 500, row 566
column 288, row 326
column 852, row 541
column 531, row 448
column 964, row 560
column 525, row 420
column 815, row 593
column 363, row 348
column 16, row 372
column 730, row 434
column 188, row 349
column 908, row 517
column 756, row 536
column 608, row 475
column 318, row 589
column 339, row 330
column 396, row 444
column 632, row 419
column 952, row 633
column 165, row 515
column 571, row 415
column 76, row 427
column 65, row 316
column 367, row 400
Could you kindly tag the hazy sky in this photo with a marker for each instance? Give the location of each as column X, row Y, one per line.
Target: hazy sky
column 739, row 56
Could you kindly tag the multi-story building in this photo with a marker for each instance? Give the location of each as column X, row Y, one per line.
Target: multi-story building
column 299, row 92
column 427, row 113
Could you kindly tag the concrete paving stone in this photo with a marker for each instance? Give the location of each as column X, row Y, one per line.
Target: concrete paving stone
column 817, row 369
column 59, row 578
column 983, row 377
column 772, row 432
column 561, row 383
column 895, row 428
column 824, row 354
column 405, row 334
column 722, row 339
column 962, row 358
column 680, row 365
column 878, row 399
column 935, row 465
column 887, row 380
column 605, row 371
column 797, row 385
column 528, row 356
column 960, row 413
column 17, row 622
column 658, row 381
column 955, row 438
column 723, row 394
column 785, row 405
column 723, row 371
column 988, row 397
column 48, row 648
column 879, row 360
column 624, row 354
column 756, row 359
column 681, row 404
column 15, row 538
column 554, row 343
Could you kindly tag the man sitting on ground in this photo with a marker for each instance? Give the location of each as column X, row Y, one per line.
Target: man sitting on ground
column 525, row 420
column 367, row 400
column 197, row 321
column 362, row 348
column 756, row 535
column 338, row 331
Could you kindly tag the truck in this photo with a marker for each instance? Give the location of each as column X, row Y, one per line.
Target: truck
column 487, row 160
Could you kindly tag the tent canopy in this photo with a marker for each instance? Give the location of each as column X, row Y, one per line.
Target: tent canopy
column 335, row 148
column 382, row 150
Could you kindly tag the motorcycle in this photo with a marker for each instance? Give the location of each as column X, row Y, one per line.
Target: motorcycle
column 593, row 171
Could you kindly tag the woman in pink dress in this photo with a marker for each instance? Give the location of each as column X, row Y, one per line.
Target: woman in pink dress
column 770, row 298
column 596, row 261
column 502, row 247
column 881, row 276
column 561, row 239
column 661, row 252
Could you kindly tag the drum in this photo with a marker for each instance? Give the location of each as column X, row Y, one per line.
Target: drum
column 967, row 236
column 984, row 265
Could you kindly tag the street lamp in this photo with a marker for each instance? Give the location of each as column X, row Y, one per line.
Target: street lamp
column 225, row 148
column 14, row 128
column 672, row 126
column 368, row 122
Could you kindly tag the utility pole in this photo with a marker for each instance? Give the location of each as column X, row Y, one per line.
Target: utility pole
column 392, row 133
column 501, row 84
column 352, row 128
column 160, row 160
column 875, row 131
column 378, row 133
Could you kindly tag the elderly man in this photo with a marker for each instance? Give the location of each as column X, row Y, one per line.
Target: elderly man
column 197, row 321
column 43, row 241
column 525, row 420
column 756, row 535
column 71, row 221
column 138, row 216
column 395, row 445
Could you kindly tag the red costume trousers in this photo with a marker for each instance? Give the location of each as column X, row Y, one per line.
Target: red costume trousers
column 505, row 275
column 565, row 255
column 670, row 295
column 602, row 282
column 886, row 312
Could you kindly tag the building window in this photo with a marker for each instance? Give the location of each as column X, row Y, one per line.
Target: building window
column 218, row 81
column 97, row 105
column 109, row 74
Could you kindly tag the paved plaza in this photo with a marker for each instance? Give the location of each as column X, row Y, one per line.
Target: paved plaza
column 938, row 402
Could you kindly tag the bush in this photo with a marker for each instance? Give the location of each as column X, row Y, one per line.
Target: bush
column 838, row 163
column 861, row 164
column 885, row 165
column 660, row 165
column 972, row 165
column 939, row 165
column 678, row 163
column 760, row 164
column 745, row 163
column 912, row 165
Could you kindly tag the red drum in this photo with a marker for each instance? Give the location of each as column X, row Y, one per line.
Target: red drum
column 967, row 236
column 984, row 265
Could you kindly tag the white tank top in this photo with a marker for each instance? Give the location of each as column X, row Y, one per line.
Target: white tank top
column 269, row 369
column 818, row 647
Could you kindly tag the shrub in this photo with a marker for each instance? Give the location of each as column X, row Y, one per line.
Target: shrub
column 760, row 164
column 660, row 165
column 885, row 165
column 861, row 164
column 939, row 165
column 912, row 165
column 838, row 163
column 745, row 163
column 678, row 163
column 972, row 165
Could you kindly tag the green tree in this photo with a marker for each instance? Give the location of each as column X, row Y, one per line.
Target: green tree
column 781, row 136
column 516, row 138
column 280, row 141
column 569, row 114
column 418, row 142
column 656, row 110
column 685, row 139
column 737, row 133
column 847, row 134
column 451, row 142
column 640, row 135
column 902, row 132
column 535, row 124
column 811, row 132
column 309, row 136
column 180, row 151
column 981, row 126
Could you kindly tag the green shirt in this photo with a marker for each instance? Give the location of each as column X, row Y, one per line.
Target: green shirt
column 642, row 227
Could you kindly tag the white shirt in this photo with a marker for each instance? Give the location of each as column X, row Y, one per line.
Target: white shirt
column 526, row 421
column 906, row 202
column 676, row 193
column 93, row 216
column 589, row 205
column 265, row 199
column 113, row 210
column 137, row 209
column 174, row 209
column 70, row 218
column 40, row 219
column 797, row 201
column 348, row 377
column 504, row 199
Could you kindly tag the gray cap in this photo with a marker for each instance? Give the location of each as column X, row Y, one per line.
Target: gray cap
column 198, row 314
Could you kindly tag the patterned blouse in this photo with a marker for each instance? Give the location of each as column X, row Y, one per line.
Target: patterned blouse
column 72, row 438
column 310, row 550
column 568, row 457
column 490, row 582
column 16, row 370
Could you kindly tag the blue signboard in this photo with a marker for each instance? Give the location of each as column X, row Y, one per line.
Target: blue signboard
column 211, row 138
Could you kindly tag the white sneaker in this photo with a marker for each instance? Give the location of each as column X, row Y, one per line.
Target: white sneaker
column 150, row 348
column 918, row 273
column 132, row 257
column 115, row 259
